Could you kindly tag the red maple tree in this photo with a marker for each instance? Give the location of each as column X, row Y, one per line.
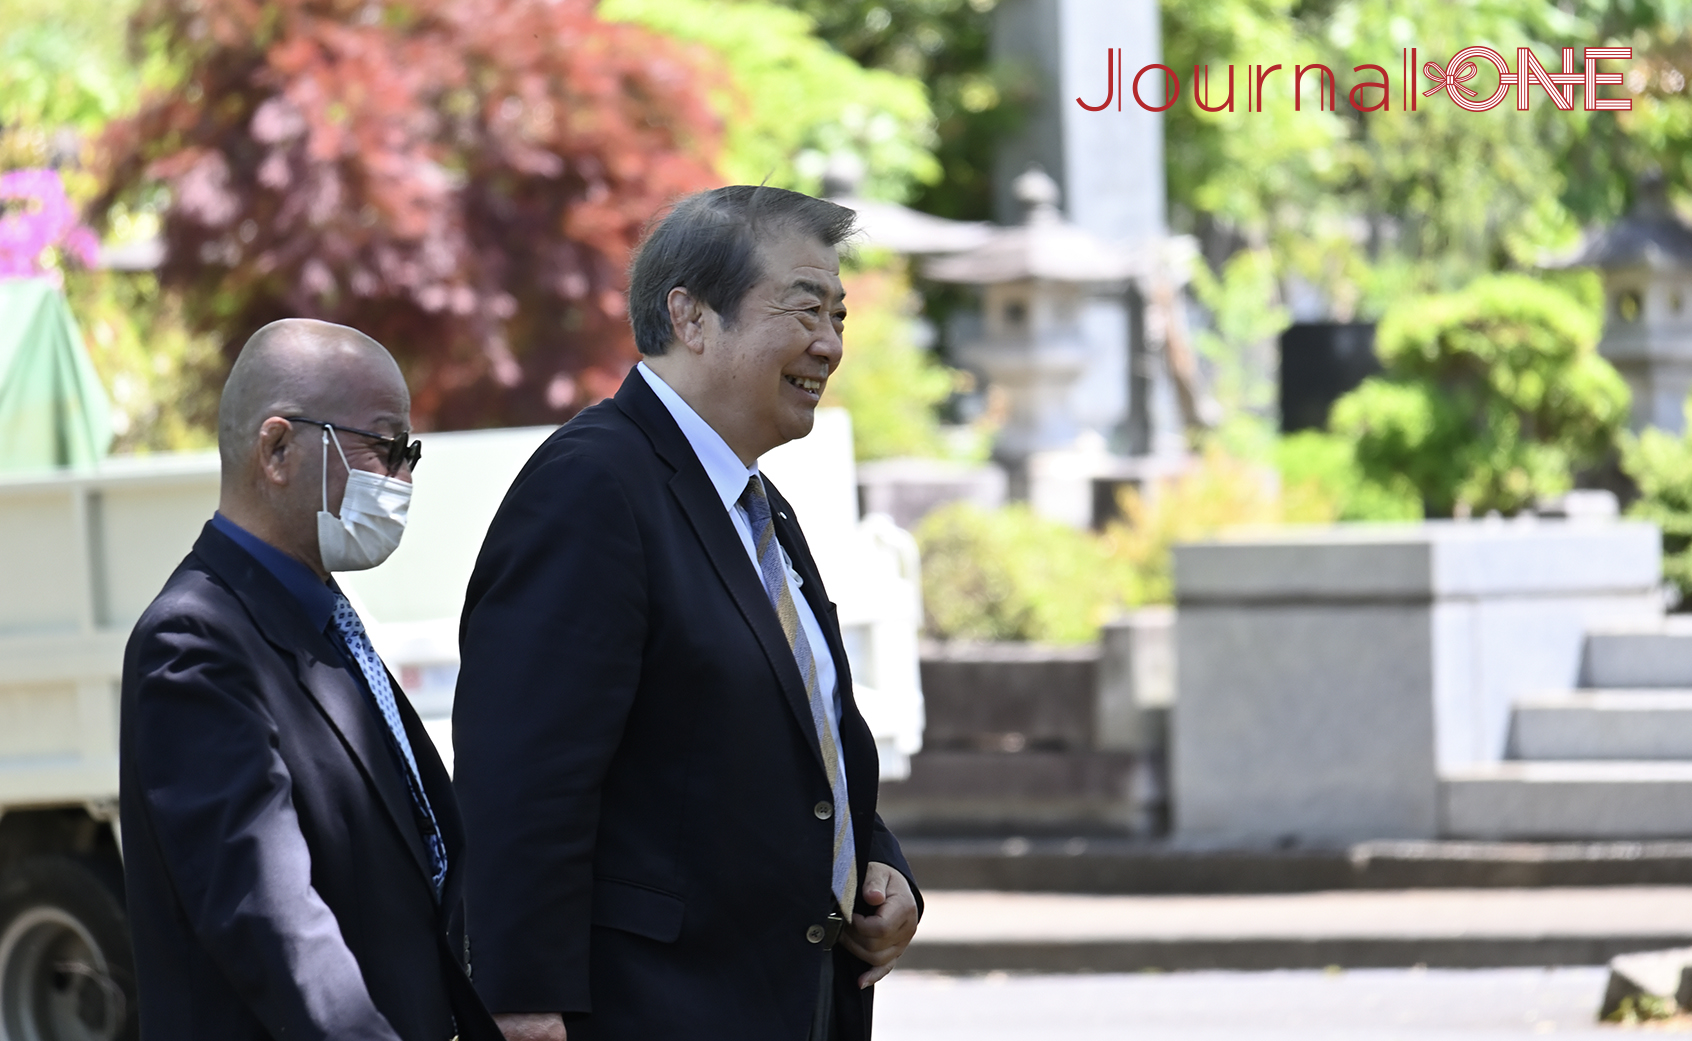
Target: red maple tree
column 462, row 179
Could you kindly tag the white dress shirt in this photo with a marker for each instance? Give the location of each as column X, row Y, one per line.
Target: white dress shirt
column 729, row 476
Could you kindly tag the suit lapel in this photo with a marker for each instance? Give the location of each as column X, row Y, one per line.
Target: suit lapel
column 704, row 511
column 340, row 698
column 324, row 676
column 437, row 785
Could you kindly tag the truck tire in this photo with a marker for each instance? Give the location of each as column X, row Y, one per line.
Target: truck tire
column 66, row 971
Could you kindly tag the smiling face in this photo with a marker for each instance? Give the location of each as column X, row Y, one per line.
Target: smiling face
column 757, row 381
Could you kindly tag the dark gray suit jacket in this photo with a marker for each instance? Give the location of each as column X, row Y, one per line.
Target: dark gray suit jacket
column 635, row 755
column 277, row 884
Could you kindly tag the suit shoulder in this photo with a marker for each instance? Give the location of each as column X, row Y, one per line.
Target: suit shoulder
column 194, row 599
column 196, row 641
column 600, row 431
column 599, row 448
column 192, row 589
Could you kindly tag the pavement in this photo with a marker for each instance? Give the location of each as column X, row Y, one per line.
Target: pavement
column 1363, row 1005
column 980, row 931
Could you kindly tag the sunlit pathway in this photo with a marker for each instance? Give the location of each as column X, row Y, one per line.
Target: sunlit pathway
column 1357, row 1005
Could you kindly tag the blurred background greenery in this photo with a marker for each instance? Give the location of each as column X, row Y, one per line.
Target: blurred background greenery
column 192, row 121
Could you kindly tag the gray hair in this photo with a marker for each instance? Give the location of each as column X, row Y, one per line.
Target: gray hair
column 708, row 245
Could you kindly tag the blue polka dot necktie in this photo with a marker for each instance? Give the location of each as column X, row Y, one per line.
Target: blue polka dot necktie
column 376, row 678
column 774, row 573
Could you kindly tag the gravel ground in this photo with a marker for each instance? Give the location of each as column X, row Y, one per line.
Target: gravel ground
column 1355, row 1005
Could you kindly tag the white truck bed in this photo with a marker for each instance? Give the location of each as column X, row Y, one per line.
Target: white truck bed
column 86, row 552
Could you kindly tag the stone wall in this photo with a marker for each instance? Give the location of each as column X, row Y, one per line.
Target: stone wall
column 1031, row 739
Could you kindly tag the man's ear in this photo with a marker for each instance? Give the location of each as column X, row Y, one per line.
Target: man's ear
column 687, row 319
column 278, row 449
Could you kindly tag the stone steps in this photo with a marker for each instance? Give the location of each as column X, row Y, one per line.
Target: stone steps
column 1014, row 793
column 1604, row 724
column 1654, row 655
column 1592, row 799
column 1612, row 760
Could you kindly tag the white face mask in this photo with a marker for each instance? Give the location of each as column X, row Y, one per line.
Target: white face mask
column 372, row 517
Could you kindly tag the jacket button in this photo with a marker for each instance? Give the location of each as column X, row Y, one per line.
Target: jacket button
column 814, row 934
column 824, row 810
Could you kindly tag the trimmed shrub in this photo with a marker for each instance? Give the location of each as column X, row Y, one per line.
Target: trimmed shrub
column 1321, row 481
column 1221, row 492
column 1493, row 397
column 1661, row 465
column 1008, row 574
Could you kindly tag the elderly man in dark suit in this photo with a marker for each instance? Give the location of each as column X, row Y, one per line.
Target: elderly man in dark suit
column 292, row 852
column 670, row 791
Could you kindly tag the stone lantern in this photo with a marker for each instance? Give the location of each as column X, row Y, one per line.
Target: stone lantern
column 1646, row 261
column 1035, row 278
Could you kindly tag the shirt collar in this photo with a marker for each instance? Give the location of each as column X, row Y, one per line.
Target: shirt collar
column 315, row 595
column 727, row 473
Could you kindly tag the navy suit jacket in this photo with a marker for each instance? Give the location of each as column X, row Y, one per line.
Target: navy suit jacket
column 277, row 884
column 635, row 756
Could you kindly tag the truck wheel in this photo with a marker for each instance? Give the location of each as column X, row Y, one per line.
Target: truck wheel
column 66, row 972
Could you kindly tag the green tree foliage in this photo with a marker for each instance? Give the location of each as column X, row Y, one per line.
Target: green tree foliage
column 466, row 188
column 944, row 44
column 1238, row 346
column 1217, row 493
column 1660, row 464
column 1321, row 480
column 64, row 64
column 66, row 70
column 1492, row 398
column 889, row 385
column 163, row 379
column 789, row 100
column 1370, row 206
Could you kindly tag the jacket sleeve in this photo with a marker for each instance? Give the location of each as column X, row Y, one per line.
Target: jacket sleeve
column 218, row 803
column 551, row 642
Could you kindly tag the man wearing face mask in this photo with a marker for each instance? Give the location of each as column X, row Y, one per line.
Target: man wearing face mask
column 292, row 851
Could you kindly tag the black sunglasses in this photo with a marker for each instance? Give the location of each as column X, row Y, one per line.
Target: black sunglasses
column 401, row 449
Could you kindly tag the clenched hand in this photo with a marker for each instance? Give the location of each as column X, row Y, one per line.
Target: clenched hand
column 881, row 936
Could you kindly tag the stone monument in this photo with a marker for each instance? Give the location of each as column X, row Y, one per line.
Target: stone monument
column 1109, row 167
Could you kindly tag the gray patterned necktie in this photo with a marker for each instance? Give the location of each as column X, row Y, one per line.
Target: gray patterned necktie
column 347, row 623
column 773, row 569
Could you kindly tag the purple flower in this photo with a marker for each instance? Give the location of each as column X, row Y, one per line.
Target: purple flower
column 37, row 216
